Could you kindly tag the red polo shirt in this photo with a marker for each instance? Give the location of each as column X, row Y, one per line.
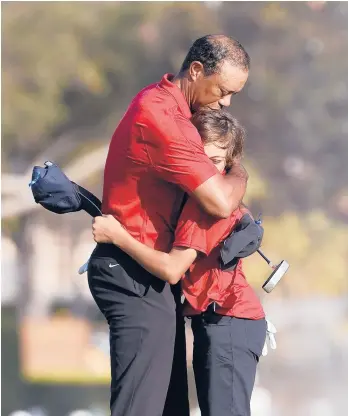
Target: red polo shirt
column 155, row 156
column 205, row 282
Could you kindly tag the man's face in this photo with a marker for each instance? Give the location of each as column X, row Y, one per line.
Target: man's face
column 215, row 91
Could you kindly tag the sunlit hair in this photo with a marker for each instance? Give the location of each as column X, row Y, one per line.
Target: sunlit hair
column 220, row 128
column 213, row 50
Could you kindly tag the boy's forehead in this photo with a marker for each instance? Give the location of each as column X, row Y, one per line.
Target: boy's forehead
column 212, row 149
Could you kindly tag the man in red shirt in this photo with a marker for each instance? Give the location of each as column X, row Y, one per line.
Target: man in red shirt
column 155, row 157
column 227, row 317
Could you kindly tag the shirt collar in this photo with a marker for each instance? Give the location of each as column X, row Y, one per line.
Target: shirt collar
column 175, row 91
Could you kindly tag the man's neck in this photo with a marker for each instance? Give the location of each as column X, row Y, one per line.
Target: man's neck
column 182, row 83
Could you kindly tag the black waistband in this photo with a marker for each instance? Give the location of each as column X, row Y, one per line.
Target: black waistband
column 209, row 315
column 130, row 266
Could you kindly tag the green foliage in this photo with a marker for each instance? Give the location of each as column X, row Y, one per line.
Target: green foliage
column 314, row 246
column 62, row 59
column 71, row 68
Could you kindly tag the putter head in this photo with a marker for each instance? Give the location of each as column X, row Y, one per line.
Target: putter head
column 276, row 276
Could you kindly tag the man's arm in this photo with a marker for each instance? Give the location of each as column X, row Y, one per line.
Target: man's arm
column 169, row 267
column 177, row 155
column 221, row 195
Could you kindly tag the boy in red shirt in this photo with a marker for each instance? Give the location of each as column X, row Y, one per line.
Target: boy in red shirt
column 228, row 321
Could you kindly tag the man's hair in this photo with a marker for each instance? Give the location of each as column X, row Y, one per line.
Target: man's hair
column 220, row 128
column 213, row 50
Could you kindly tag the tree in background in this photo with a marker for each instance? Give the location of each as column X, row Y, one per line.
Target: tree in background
column 70, row 70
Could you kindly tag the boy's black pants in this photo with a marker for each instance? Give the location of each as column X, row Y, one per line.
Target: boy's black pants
column 226, row 352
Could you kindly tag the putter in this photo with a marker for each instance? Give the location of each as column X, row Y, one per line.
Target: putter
column 278, row 272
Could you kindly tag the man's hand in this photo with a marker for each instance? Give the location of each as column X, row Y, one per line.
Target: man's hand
column 238, row 170
column 270, row 338
column 220, row 195
column 107, row 229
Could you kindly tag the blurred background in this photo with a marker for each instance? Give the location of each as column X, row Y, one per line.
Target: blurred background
column 69, row 71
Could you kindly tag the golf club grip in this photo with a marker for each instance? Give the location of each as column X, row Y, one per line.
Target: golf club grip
column 90, row 203
column 92, row 209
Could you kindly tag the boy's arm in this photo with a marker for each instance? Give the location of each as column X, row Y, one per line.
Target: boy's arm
column 169, row 267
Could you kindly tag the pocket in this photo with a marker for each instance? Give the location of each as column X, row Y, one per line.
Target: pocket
column 255, row 332
column 107, row 272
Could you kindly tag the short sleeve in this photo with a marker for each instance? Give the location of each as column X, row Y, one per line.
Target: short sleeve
column 176, row 152
column 201, row 231
column 191, row 230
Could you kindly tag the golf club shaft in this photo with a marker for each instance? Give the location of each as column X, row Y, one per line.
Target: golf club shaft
column 264, row 257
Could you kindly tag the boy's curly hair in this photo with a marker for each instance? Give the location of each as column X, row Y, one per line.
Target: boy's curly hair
column 220, row 128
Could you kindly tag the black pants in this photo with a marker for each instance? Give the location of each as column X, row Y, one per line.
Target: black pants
column 140, row 311
column 226, row 352
column 177, row 402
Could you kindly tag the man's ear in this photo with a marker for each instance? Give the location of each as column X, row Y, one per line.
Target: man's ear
column 196, row 71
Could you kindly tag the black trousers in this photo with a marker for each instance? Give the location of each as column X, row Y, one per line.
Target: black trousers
column 177, row 402
column 140, row 311
column 226, row 352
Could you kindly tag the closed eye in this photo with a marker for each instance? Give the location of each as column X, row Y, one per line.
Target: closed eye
column 216, row 161
column 225, row 92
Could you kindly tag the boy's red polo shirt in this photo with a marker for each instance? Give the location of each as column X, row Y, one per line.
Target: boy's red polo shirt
column 155, row 155
column 205, row 282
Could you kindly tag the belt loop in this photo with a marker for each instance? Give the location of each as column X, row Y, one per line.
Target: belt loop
column 210, row 309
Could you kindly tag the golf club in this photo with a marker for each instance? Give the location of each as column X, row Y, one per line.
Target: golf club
column 278, row 272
